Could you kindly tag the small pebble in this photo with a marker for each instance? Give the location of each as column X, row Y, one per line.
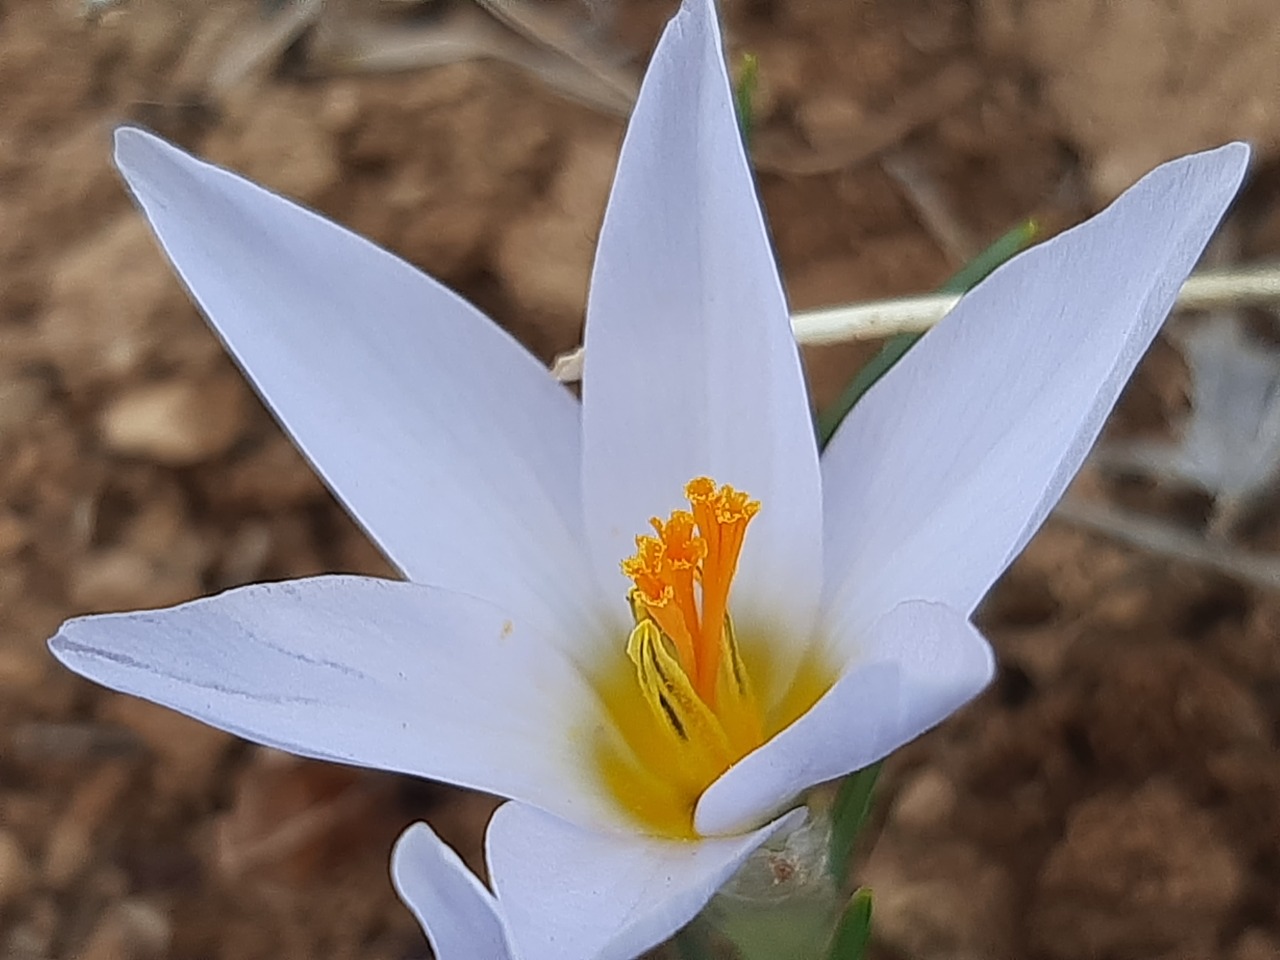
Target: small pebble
column 175, row 422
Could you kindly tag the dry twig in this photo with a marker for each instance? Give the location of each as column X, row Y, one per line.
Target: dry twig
column 1254, row 286
column 1164, row 540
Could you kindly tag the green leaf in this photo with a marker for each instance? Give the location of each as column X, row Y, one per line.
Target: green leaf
column 1013, row 242
column 854, row 929
column 1005, row 248
column 848, row 814
column 893, row 350
column 744, row 94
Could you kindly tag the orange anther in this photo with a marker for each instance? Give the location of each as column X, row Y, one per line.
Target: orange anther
column 679, row 536
column 700, row 488
column 683, row 574
column 733, row 505
column 664, row 583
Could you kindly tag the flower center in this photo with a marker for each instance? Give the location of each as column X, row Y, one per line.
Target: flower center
column 692, row 697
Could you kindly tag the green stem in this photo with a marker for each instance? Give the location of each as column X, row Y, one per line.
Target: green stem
column 848, row 814
column 854, row 931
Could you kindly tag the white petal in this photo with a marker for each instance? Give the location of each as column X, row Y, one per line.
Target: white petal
column 571, row 893
column 458, row 915
column 375, row 673
column 691, row 368
column 444, row 438
column 917, row 665
column 946, row 468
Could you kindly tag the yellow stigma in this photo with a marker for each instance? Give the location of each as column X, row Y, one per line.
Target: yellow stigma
column 690, row 699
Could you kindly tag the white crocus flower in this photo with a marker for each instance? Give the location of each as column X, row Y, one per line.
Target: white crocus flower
column 650, row 726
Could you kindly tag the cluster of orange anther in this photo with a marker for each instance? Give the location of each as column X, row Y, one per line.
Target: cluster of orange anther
column 683, row 574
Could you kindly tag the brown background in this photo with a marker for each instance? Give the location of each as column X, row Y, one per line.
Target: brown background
column 1116, row 794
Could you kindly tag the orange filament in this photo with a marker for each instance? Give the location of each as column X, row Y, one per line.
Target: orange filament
column 683, row 575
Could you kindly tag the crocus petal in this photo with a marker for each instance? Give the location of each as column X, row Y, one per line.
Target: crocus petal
column 946, row 468
column 916, row 666
column 444, row 438
column 567, row 892
column 376, row 673
column 458, row 915
column 691, row 368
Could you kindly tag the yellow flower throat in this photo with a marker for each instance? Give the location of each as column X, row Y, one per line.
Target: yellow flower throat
column 684, row 706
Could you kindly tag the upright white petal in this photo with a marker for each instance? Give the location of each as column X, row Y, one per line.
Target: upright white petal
column 690, row 366
column 444, row 438
column 915, row 667
column 941, row 474
column 458, row 915
column 376, row 673
column 571, row 894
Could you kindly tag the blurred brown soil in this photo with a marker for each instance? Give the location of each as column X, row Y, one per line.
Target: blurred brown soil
column 1116, row 794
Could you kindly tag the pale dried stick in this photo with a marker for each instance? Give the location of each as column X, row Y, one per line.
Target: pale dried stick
column 1211, row 289
column 922, row 191
column 1208, row 290
column 1164, row 540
